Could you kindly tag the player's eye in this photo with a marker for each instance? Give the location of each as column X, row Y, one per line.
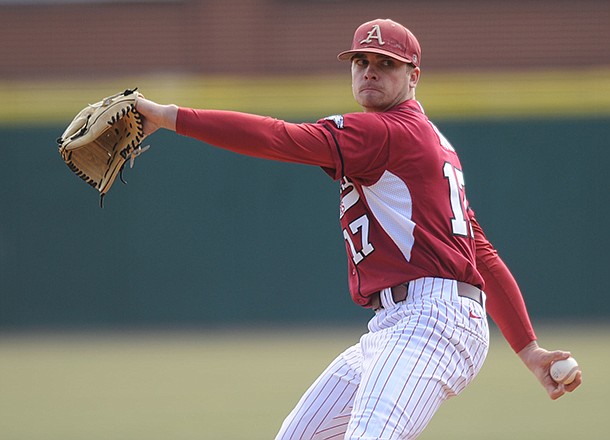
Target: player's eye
column 361, row 62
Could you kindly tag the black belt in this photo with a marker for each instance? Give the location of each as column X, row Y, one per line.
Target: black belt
column 399, row 294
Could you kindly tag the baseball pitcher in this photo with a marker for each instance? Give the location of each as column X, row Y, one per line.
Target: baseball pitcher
column 416, row 255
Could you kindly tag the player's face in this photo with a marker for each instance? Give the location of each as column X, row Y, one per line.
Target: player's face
column 380, row 82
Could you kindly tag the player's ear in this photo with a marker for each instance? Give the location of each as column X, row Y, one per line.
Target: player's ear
column 413, row 73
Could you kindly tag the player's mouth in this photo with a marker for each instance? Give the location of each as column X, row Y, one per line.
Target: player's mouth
column 369, row 89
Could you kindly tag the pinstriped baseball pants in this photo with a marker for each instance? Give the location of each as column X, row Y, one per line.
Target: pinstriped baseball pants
column 417, row 354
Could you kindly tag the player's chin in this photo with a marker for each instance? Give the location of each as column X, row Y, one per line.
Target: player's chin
column 371, row 100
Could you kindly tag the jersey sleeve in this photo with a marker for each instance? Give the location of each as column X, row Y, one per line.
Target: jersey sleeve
column 505, row 302
column 259, row 136
column 361, row 142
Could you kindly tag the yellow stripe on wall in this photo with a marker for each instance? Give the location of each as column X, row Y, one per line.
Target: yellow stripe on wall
column 461, row 95
column 519, row 94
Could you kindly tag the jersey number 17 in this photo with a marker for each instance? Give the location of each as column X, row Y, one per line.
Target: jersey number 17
column 459, row 205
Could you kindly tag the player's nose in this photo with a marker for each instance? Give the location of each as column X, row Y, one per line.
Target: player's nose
column 371, row 72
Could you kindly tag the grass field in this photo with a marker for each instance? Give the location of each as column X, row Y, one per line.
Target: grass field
column 239, row 385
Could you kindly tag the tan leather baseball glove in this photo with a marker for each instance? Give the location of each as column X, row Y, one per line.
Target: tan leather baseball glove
column 102, row 138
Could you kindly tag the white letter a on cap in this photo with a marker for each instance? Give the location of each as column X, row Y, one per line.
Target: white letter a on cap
column 374, row 33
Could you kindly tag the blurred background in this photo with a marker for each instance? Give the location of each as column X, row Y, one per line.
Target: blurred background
column 203, row 245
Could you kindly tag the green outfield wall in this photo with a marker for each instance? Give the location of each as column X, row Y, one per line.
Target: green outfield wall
column 203, row 237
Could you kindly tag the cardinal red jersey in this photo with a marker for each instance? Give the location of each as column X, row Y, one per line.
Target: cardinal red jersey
column 403, row 204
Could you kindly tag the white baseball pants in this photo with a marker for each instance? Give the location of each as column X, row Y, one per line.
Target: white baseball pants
column 417, row 354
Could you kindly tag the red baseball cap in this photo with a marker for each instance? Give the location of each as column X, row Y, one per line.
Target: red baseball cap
column 385, row 37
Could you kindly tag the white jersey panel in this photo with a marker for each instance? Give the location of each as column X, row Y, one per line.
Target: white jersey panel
column 390, row 202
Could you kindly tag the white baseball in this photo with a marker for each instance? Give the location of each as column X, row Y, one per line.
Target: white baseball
column 564, row 371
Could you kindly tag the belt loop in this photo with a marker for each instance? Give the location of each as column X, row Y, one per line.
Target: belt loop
column 387, row 299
